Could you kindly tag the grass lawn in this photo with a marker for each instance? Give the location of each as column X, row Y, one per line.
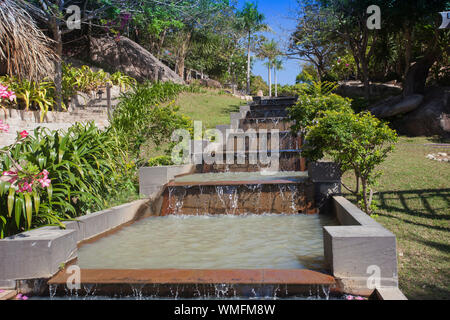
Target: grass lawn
column 210, row 107
column 414, row 203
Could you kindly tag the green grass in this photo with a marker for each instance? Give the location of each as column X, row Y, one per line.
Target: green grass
column 413, row 198
column 210, row 107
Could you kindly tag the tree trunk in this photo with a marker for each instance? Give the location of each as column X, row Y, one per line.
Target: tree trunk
column 408, row 50
column 56, row 31
column 181, row 56
column 276, row 84
column 365, row 76
column 417, row 74
column 270, row 79
column 248, row 63
column 364, row 193
column 161, row 43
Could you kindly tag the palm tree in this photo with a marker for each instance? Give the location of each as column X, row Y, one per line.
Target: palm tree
column 277, row 66
column 252, row 22
column 269, row 50
column 25, row 51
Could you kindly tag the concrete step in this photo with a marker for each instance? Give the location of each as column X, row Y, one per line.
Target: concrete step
column 287, row 160
column 280, row 123
column 255, row 141
column 269, row 113
column 239, row 197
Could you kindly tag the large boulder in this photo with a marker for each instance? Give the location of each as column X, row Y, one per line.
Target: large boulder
column 210, row 83
column 432, row 117
column 354, row 89
column 397, row 105
column 127, row 56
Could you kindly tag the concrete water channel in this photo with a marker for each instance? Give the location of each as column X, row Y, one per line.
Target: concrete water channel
column 240, row 228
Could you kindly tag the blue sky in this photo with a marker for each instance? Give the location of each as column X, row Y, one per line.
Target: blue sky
column 278, row 16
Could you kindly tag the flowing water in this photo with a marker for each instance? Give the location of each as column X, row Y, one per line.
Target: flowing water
column 242, row 176
column 212, row 242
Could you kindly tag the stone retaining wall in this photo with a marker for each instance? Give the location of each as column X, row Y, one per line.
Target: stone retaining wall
column 19, row 120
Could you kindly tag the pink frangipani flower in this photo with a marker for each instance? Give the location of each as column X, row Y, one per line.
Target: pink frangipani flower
column 4, row 127
column 24, row 134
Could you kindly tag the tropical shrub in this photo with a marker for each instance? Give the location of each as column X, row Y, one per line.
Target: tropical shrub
column 141, row 115
column 290, row 90
column 160, row 161
column 122, row 80
column 357, row 142
column 51, row 176
column 310, row 107
column 343, row 67
column 30, row 95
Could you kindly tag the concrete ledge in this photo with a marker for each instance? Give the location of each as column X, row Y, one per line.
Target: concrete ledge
column 350, row 215
column 96, row 223
column 153, row 179
column 387, row 294
column 39, row 253
column 360, row 253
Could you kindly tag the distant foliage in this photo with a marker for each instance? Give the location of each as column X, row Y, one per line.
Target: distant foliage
column 291, row 90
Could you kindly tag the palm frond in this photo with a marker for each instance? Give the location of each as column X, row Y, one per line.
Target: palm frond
column 25, row 52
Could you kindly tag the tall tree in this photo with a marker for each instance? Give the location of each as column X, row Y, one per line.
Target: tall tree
column 422, row 42
column 277, row 66
column 253, row 21
column 269, row 50
column 351, row 25
column 197, row 16
column 313, row 41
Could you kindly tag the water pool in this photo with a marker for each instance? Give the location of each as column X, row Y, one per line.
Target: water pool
column 267, row 241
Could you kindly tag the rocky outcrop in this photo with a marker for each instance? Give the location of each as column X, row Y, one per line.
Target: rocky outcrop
column 210, row 83
column 397, row 105
column 432, row 117
column 130, row 58
column 353, row 89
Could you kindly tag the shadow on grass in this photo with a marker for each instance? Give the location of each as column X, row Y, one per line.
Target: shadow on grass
column 424, row 195
column 427, row 210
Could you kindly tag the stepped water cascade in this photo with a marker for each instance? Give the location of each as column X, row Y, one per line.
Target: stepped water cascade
column 245, row 227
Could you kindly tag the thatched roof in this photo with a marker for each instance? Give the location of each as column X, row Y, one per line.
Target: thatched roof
column 24, row 50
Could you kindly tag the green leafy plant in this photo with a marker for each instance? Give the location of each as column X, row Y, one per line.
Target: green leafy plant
column 32, row 95
column 141, row 115
column 320, row 88
column 311, row 107
column 357, row 142
column 82, row 79
column 85, row 167
column 122, row 80
column 160, row 161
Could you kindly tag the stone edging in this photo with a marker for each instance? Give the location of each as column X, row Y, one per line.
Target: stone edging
column 360, row 253
column 41, row 252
